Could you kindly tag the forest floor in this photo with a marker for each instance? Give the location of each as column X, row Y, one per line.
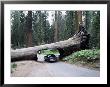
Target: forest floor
column 57, row 69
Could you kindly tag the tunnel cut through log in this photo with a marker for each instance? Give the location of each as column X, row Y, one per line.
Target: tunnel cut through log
column 79, row 41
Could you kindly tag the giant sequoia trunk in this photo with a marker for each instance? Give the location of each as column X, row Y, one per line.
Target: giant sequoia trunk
column 66, row 47
column 29, row 29
column 78, row 20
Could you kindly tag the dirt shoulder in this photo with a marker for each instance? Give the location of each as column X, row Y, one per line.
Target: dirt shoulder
column 25, row 67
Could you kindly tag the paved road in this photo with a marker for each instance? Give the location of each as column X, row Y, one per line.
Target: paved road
column 60, row 69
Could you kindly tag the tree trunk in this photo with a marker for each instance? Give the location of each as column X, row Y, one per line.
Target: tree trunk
column 78, row 19
column 29, row 38
column 56, row 27
column 29, row 29
column 65, row 47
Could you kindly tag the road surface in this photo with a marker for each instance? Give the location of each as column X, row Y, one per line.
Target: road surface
column 58, row 69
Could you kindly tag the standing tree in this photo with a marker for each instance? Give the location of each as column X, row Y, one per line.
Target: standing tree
column 70, row 20
column 17, row 29
column 78, row 19
column 37, row 28
column 95, row 31
column 92, row 24
column 88, row 20
column 21, row 29
column 62, row 34
column 14, row 28
column 46, row 27
column 56, row 27
column 41, row 27
column 28, row 27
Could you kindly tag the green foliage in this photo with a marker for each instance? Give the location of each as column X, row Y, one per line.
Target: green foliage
column 45, row 52
column 41, row 28
column 43, row 31
column 84, row 56
column 95, row 35
column 13, row 67
column 70, row 23
column 17, row 29
column 93, row 27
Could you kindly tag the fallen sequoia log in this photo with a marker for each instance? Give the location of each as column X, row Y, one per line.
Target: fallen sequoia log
column 77, row 42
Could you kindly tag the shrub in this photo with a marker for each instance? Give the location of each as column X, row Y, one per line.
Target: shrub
column 84, row 56
column 13, row 67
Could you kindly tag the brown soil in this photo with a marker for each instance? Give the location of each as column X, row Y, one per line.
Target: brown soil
column 24, row 67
